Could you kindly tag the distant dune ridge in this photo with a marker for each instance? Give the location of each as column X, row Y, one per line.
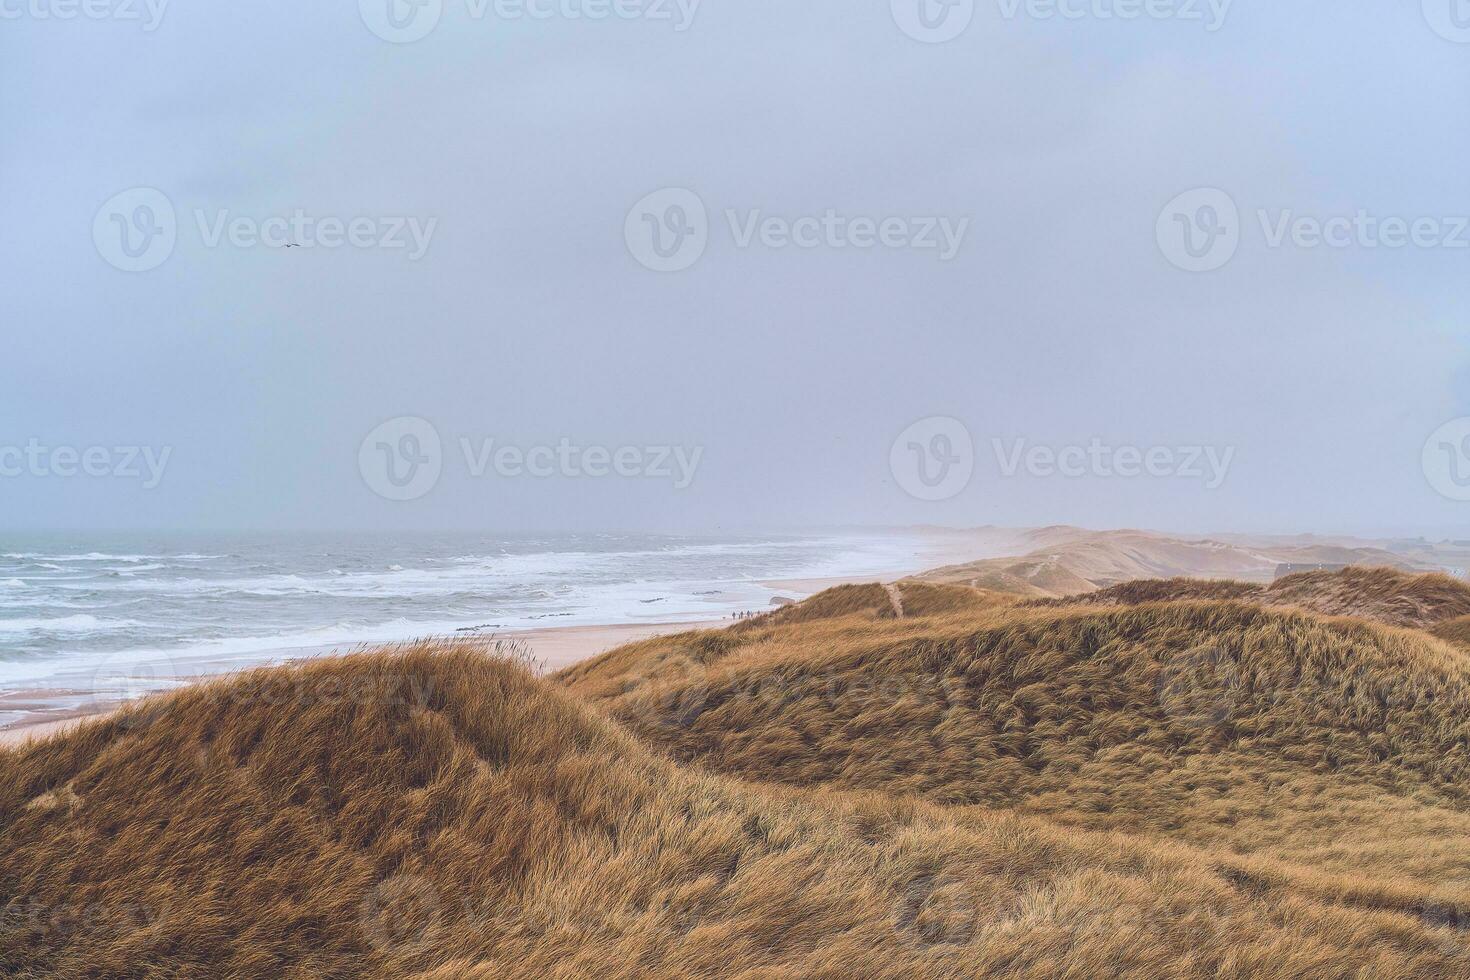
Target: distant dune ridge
column 1164, row 779
column 1063, row 561
column 1381, row 594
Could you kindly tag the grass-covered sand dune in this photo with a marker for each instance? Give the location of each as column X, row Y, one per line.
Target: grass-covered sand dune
column 1384, row 595
column 922, row 781
column 1337, row 743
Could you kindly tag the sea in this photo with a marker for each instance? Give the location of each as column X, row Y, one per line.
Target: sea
column 93, row 611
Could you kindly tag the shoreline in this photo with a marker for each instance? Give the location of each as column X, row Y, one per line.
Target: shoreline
column 47, row 711
column 71, row 697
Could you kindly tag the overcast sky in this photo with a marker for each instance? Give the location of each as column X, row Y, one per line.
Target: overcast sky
column 1055, row 314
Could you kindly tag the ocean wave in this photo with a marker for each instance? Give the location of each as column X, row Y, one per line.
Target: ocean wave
column 47, row 602
column 37, row 556
column 133, row 570
column 205, row 656
column 89, row 556
column 396, row 581
column 83, row 623
column 271, row 597
column 510, row 576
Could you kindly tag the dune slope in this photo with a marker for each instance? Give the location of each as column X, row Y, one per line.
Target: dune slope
column 1338, row 744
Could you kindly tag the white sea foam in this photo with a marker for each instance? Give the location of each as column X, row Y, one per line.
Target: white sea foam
column 251, row 598
column 67, row 624
column 37, row 556
column 167, row 664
